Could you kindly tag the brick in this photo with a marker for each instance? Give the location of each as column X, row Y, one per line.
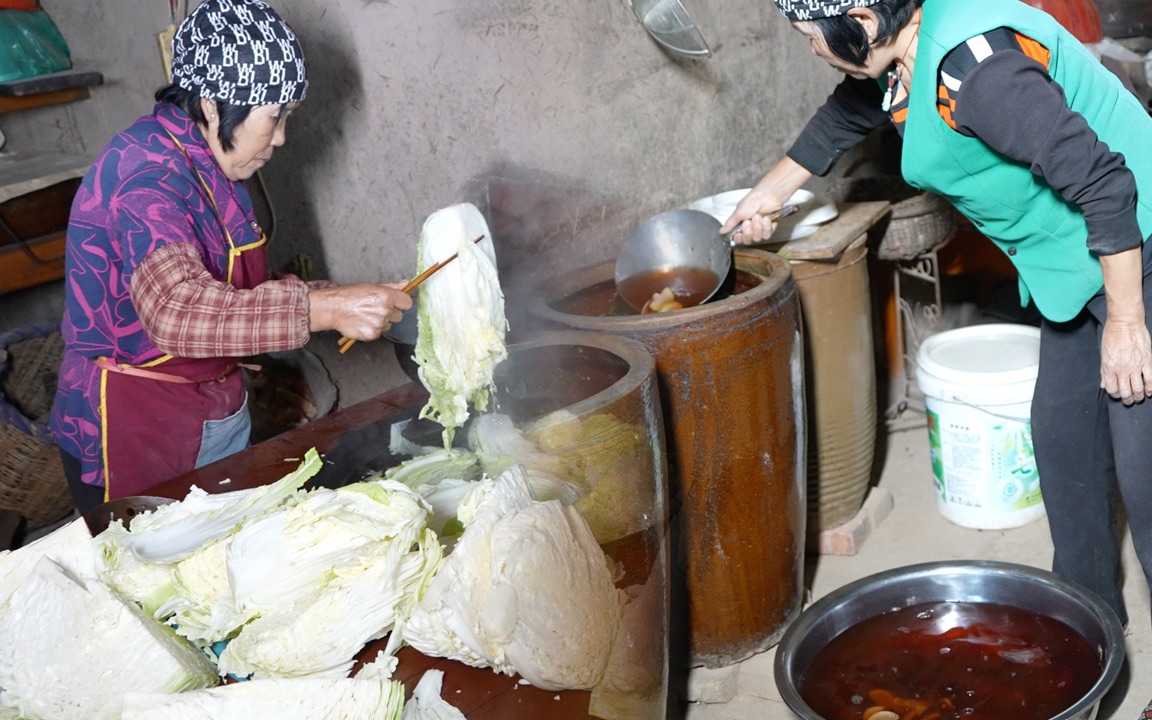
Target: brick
column 713, row 685
column 850, row 537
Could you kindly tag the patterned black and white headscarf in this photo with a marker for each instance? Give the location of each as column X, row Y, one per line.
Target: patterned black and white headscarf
column 812, row 9
column 240, row 52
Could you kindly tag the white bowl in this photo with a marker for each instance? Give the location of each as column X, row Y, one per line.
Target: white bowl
column 814, row 210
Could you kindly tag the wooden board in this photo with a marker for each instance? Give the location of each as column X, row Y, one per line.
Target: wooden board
column 38, row 213
column 27, row 102
column 834, row 236
column 35, row 262
column 33, row 225
column 24, row 173
column 49, row 89
column 51, row 82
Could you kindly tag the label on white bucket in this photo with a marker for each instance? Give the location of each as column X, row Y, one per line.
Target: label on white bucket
column 984, row 467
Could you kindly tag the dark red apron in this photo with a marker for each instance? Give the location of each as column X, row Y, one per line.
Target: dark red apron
column 153, row 428
column 154, row 413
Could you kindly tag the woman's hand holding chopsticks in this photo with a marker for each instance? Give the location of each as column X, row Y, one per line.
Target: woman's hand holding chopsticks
column 361, row 311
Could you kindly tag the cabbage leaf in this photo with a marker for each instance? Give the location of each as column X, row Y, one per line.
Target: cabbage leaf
column 298, row 699
column 426, row 703
column 460, row 316
column 173, row 532
column 320, row 633
column 70, row 545
column 73, row 648
column 435, row 465
column 284, row 556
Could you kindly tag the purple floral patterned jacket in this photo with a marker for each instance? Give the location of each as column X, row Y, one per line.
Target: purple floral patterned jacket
column 140, row 194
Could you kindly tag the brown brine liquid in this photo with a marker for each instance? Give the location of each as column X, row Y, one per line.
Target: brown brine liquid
column 690, row 285
column 952, row 661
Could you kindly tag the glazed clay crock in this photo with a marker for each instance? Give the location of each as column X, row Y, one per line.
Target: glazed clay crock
column 731, row 386
column 1032, row 589
column 591, row 400
column 840, row 371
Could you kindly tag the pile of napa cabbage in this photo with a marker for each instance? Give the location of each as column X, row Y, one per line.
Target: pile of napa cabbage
column 283, row 587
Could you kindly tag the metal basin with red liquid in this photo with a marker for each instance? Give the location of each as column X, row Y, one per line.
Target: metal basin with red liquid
column 1040, row 598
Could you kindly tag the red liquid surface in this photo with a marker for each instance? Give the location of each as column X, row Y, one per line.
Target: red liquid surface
column 952, row 661
column 689, row 285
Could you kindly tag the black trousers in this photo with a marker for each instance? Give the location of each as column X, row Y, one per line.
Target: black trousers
column 1092, row 452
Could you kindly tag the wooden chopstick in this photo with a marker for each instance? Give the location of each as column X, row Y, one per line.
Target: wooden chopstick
column 346, row 343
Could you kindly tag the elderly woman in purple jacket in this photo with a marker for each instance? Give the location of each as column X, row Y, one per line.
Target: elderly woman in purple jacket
column 167, row 285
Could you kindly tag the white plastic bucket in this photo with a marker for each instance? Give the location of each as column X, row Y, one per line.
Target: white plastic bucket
column 977, row 383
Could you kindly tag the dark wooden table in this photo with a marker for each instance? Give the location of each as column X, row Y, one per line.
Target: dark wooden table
column 478, row 693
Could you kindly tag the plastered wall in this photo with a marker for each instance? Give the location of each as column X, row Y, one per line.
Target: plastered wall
column 561, row 119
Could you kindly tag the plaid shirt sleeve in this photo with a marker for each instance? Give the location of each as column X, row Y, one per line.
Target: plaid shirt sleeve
column 188, row 313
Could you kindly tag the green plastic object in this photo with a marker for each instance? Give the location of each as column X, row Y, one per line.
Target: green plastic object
column 30, row 45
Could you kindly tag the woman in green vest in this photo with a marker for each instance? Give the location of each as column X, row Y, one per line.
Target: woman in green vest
column 1012, row 119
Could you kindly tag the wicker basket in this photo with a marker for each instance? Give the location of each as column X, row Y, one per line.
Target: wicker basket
column 920, row 221
column 31, row 474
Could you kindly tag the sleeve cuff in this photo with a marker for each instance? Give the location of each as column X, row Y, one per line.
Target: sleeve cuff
column 816, row 160
column 1114, row 233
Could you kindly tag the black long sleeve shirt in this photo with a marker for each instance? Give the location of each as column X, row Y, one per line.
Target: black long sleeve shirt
column 1008, row 101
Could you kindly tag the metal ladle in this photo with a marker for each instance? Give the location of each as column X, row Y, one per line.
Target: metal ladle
column 677, row 242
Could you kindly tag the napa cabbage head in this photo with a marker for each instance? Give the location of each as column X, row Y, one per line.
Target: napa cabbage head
column 283, row 556
column 460, row 316
column 525, row 590
column 321, row 578
column 319, row 634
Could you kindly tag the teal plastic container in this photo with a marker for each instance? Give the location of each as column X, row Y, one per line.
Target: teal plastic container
column 30, row 45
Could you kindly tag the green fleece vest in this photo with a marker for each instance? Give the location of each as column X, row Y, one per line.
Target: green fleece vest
column 1042, row 233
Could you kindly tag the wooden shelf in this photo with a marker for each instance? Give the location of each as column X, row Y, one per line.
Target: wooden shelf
column 36, row 190
column 31, row 263
column 51, row 89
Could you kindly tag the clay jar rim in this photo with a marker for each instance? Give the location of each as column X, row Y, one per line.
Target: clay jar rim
column 770, row 271
column 641, row 364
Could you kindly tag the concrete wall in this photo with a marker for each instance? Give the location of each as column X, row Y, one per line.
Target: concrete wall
column 563, row 121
